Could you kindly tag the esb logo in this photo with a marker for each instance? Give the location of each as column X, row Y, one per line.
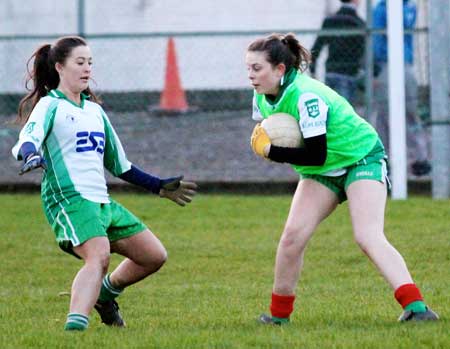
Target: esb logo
column 90, row 141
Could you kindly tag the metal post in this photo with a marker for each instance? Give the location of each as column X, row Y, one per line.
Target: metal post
column 439, row 51
column 369, row 63
column 397, row 127
column 81, row 18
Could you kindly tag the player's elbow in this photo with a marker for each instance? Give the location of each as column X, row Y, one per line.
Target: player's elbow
column 320, row 159
column 323, row 158
column 317, row 148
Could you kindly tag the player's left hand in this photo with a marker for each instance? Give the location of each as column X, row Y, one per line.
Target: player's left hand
column 32, row 162
column 260, row 141
column 180, row 192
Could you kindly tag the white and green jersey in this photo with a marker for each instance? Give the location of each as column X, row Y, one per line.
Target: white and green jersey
column 320, row 110
column 78, row 142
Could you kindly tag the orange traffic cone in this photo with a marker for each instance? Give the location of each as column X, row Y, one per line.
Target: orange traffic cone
column 173, row 97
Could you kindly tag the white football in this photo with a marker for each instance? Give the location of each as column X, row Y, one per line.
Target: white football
column 283, row 130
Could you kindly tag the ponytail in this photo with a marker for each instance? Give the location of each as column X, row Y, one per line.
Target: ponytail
column 302, row 57
column 43, row 76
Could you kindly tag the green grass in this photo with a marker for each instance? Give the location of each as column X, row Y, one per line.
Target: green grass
column 219, row 276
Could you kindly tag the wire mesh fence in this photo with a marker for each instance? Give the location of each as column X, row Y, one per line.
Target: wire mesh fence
column 209, row 142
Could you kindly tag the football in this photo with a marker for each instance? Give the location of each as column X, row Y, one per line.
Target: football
column 283, row 130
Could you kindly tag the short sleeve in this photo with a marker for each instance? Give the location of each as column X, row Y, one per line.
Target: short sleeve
column 313, row 113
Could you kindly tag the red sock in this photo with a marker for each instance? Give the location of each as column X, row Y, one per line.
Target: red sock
column 407, row 294
column 282, row 306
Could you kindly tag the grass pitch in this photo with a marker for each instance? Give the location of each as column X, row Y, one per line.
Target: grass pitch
column 219, row 276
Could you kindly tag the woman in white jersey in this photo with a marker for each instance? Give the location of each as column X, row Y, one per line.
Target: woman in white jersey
column 68, row 134
column 342, row 158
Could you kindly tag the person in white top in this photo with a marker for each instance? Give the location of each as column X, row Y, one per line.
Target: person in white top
column 67, row 133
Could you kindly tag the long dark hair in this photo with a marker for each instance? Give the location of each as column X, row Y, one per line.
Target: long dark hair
column 43, row 74
column 284, row 49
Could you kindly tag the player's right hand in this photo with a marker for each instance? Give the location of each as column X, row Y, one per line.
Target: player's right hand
column 260, row 141
column 32, row 162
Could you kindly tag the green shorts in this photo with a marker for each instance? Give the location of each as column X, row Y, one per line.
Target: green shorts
column 84, row 220
column 372, row 167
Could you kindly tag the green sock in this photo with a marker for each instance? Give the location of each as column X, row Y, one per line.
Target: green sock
column 108, row 292
column 280, row 320
column 417, row 307
column 76, row 322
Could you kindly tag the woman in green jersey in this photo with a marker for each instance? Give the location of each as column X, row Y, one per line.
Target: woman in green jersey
column 342, row 159
column 68, row 134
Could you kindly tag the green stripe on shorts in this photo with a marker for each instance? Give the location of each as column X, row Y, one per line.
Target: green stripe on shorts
column 84, row 220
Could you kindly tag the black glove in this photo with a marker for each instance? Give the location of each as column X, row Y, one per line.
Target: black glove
column 32, row 162
column 178, row 191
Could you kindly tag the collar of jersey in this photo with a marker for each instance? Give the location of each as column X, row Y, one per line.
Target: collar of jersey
column 58, row 94
column 289, row 78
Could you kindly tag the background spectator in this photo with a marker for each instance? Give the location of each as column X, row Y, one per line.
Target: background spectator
column 416, row 137
column 345, row 53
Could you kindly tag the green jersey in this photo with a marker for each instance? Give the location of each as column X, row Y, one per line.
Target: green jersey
column 78, row 142
column 320, row 110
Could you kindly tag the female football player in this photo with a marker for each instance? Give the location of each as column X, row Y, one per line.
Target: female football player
column 342, row 158
column 68, row 134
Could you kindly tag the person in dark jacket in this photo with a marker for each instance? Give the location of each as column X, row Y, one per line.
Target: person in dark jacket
column 345, row 52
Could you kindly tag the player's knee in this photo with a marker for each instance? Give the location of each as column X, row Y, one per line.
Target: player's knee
column 361, row 241
column 100, row 260
column 295, row 237
column 160, row 258
column 292, row 242
column 155, row 260
column 368, row 242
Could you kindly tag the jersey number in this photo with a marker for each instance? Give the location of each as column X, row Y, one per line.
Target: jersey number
column 90, row 141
